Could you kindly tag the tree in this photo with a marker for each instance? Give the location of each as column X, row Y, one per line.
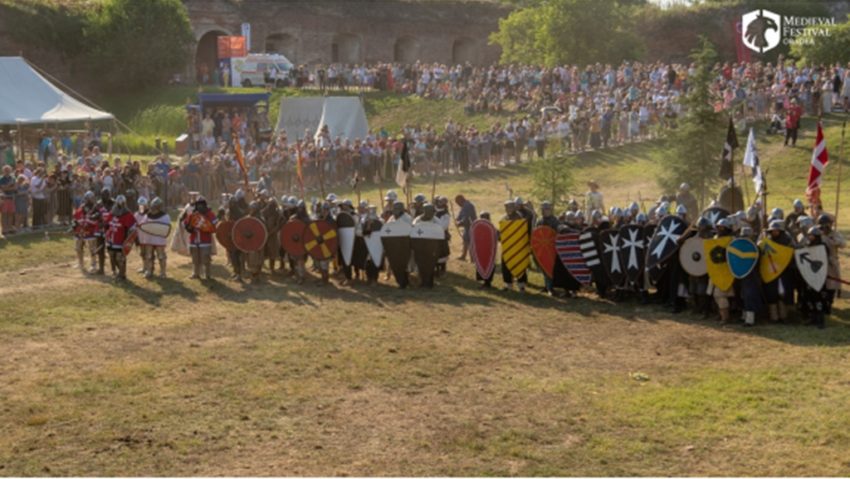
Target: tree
column 135, row 44
column 555, row 32
column 829, row 44
column 693, row 149
column 552, row 178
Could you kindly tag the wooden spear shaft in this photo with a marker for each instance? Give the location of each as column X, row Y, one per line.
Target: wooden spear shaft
column 838, row 186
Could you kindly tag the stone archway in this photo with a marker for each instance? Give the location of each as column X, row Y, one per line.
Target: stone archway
column 206, row 55
column 346, row 48
column 406, row 50
column 463, row 50
column 284, row 44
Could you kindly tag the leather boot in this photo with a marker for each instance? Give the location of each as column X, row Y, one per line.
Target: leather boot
column 773, row 312
column 782, row 311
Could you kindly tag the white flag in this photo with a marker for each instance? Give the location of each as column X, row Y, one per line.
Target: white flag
column 751, row 160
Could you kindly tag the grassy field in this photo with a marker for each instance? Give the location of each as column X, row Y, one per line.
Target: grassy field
column 179, row 377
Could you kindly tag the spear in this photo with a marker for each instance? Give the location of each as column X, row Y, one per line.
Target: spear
column 838, row 185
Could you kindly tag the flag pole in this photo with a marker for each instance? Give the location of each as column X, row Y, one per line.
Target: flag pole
column 732, row 167
column 838, row 184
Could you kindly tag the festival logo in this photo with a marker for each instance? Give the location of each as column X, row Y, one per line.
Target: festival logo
column 761, row 30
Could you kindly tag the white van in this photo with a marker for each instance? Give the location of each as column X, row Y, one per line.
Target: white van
column 259, row 69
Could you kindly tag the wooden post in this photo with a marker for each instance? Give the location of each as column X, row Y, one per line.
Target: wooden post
column 21, row 143
column 109, row 145
column 838, row 185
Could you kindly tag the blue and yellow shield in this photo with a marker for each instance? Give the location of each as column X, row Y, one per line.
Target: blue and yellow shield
column 742, row 255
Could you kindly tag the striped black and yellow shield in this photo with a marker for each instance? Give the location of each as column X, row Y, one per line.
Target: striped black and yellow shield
column 516, row 248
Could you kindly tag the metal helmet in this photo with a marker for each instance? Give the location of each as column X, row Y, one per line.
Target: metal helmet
column 301, row 204
column 595, row 215
column 745, row 231
column 364, row 204
column 391, row 196
column 684, row 187
column 777, row 214
column 284, row 200
column 331, row 198
column 254, row 205
column 704, row 223
column 681, row 210
column 518, row 201
column 239, row 194
column 142, row 201
column 120, row 200
column 726, row 222
column 634, row 208
column 798, row 205
column 347, row 203
column 824, row 219
column 805, row 222
column 815, row 231
column 264, row 193
column 572, row 204
column 662, row 209
column 89, row 195
column 641, row 218
column 617, row 212
column 570, row 216
column 546, row 205
column 580, row 215
column 156, row 202
column 776, row 225
column 419, row 198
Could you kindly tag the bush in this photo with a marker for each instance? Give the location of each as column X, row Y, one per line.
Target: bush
column 160, row 120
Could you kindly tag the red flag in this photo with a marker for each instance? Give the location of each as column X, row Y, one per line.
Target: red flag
column 239, row 158
column 743, row 53
column 820, row 158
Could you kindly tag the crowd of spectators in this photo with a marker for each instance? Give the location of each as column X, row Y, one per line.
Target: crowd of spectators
column 567, row 108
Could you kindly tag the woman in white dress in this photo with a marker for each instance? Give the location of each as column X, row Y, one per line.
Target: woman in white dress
column 826, row 95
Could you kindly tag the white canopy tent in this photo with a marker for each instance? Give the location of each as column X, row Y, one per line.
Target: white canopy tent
column 27, row 98
column 344, row 116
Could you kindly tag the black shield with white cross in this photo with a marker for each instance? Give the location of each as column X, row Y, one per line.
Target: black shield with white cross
column 632, row 249
column 665, row 241
column 609, row 242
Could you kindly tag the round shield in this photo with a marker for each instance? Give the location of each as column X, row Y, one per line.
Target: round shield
column 224, row 234
column 292, row 237
column 249, row 234
column 320, row 240
column 714, row 213
column 692, row 257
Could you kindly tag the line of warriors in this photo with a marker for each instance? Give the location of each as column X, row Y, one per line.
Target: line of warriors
column 750, row 296
column 104, row 225
column 273, row 254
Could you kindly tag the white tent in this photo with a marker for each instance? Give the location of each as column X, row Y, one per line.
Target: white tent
column 28, row 98
column 344, row 116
